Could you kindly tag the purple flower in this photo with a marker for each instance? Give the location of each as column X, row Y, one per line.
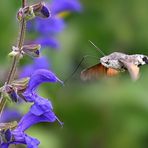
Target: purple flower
column 38, row 77
column 40, row 111
column 19, row 137
column 9, row 115
column 48, row 41
column 49, row 28
column 44, row 12
column 65, row 5
column 38, row 63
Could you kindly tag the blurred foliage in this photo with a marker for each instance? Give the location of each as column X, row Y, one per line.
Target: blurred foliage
column 109, row 113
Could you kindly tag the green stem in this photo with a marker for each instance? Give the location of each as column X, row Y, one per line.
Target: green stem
column 15, row 58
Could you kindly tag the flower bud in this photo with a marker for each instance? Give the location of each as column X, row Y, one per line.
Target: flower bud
column 15, row 52
column 20, row 14
column 11, row 93
column 9, row 125
column 32, row 50
column 41, row 10
column 6, row 135
column 27, row 13
column 30, row 12
column 5, row 131
column 20, row 84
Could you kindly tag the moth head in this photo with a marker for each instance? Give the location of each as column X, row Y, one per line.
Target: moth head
column 145, row 59
column 105, row 61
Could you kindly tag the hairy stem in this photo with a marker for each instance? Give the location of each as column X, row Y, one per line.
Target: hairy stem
column 15, row 58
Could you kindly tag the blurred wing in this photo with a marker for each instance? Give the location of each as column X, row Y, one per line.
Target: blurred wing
column 96, row 71
column 132, row 69
column 112, row 72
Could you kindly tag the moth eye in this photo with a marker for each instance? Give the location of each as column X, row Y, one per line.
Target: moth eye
column 107, row 62
column 145, row 59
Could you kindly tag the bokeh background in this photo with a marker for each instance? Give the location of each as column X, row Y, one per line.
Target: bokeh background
column 108, row 113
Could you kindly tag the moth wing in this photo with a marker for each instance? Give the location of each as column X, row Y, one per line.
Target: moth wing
column 112, row 72
column 132, row 69
column 94, row 72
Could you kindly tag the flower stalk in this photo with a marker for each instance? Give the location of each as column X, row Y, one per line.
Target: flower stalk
column 19, row 46
column 16, row 58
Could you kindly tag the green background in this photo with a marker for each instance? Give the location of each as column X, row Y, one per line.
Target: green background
column 108, row 113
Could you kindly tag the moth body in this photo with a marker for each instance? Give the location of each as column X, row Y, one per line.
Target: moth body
column 114, row 63
column 115, row 59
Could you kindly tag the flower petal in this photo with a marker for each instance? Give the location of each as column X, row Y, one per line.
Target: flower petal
column 41, row 76
column 30, row 119
column 49, row 26
column 4, row 145
column 31, row 142
column 21, row 138
column 9, row 115
column 58, row 6
column 8, row 135
column 40, row 111
column 41, row 106
column 39, row 63
column 47, row 41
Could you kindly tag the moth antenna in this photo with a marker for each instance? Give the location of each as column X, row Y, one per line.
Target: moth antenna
column 83, row 58
column 97, row 48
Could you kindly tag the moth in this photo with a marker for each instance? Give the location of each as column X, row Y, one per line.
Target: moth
column 113, row 64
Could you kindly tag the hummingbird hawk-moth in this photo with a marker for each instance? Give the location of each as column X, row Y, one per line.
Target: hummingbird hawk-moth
column 113, row 64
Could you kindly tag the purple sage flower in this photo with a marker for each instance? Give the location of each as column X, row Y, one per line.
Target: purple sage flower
column 18, row 137
column 40, row 111
column 38, row 77
column 49, row 28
